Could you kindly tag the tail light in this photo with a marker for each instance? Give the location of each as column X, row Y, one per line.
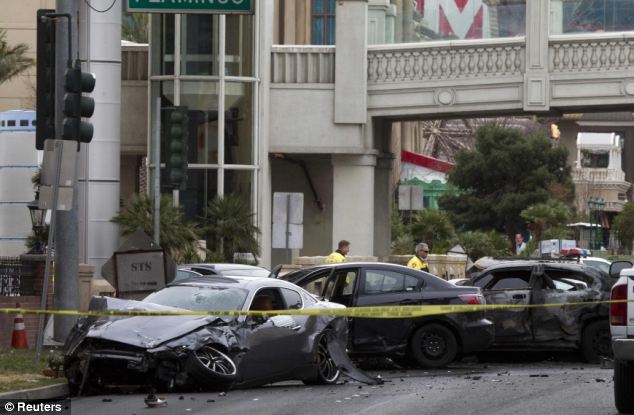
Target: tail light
column 618, row 311
column 472, row 299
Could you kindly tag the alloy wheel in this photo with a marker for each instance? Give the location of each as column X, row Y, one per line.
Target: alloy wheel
column 216, row 361
column 327, row 367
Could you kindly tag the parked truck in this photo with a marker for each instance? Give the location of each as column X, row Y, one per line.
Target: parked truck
column 622, row 329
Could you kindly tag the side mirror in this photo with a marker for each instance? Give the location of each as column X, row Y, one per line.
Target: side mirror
column 617, row 266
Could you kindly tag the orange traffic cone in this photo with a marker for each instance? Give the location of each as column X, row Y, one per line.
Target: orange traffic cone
column 18, row 339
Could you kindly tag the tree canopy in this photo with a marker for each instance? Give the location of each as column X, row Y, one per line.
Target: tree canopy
column 507, row 172
column 624, row 223
column 433, row 227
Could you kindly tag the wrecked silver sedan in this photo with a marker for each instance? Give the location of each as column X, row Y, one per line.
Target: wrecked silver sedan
column 207, row 352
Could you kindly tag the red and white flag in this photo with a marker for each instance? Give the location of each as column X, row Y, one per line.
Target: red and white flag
column 464, row 19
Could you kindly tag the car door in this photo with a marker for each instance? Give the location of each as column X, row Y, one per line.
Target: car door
column 509, row 286
column 383, row 287
column 558, row 286
column 315, row 282
column 274, row 343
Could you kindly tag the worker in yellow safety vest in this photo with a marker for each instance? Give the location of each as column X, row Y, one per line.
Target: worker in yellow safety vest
column 419, row 261
column 340, row 254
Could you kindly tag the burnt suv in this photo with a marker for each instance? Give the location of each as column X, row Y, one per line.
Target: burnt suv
column 532, row 282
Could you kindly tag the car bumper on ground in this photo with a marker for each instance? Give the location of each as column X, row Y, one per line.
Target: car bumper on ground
column 478, row 336
column 623, row 349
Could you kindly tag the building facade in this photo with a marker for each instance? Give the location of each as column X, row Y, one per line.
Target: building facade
column 305, row 95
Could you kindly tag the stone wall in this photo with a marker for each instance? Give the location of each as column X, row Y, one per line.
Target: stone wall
column 443, row 266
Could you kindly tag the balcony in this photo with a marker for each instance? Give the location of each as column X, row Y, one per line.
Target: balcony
column 597, row 176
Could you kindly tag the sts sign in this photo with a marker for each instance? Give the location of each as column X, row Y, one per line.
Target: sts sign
column 140, row 271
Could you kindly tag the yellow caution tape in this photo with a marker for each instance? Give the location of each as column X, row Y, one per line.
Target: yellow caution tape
column 407, row 311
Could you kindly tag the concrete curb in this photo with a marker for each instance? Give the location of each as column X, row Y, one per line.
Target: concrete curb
column 59, row 390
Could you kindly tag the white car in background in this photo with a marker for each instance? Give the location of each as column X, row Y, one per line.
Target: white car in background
column 599, row 263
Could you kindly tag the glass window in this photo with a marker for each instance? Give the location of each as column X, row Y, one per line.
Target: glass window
column 585, row 16
column 449, row 20
column 239, row 45
column 595, row 158
column 513, row 280
column 202, row 185
column 346, row 281
column 411, row 283
column 239, row 183
column 199, row 44
column 323, row 22
column 380, row 281
column 483, row 280
column 200, row 298
column 201, row 99
column 601, row 266
column 162, row 44
column 238, row 123
column 316, row 283
column 292, row 298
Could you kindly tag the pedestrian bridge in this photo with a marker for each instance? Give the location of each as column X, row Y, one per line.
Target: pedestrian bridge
column 580, row 73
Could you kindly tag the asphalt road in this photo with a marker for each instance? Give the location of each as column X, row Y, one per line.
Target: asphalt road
column 495, row 388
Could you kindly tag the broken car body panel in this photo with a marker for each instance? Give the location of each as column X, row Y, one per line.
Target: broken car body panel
column 171, row 352
column 533, row 283
column 381, row 284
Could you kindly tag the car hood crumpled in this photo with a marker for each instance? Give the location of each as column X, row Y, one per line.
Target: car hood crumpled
column 145, row 332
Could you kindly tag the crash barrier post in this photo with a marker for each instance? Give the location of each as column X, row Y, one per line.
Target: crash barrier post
column 359, row 312
column 18, row 337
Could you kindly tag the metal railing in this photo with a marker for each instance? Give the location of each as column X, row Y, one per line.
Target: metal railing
column 16, row 278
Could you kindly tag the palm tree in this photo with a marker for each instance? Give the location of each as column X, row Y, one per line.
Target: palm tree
column 177, row 237
column 13, row 59
column 228, row 226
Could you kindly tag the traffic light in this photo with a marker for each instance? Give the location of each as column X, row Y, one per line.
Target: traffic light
column 78, row 106
column 45, row 84
column 177, row 129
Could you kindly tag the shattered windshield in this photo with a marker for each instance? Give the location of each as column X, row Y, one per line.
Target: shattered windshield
column 208, row 298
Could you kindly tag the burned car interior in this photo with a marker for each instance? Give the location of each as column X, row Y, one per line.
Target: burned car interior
column 584, row 328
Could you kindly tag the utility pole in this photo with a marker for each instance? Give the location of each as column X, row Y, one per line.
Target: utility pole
column 66, row 295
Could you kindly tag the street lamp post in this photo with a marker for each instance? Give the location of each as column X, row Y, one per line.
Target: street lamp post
column 37, row 223
column 593, row 206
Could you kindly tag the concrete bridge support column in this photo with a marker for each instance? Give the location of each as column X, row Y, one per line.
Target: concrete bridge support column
column 353, row 202
column 536, row 77
column 351, row 62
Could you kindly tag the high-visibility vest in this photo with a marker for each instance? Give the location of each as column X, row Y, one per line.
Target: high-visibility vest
column 418, row 263
column 335, row 258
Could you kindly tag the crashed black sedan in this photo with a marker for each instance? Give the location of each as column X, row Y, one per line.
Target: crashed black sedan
column 206, row 352
column 431, row 341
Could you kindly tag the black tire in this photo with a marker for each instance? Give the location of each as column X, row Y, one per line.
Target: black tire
column 596, row 341
column 433, row 346
column 211, row 368
column 624, row 386
column 327, row 371
column 73, row 375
